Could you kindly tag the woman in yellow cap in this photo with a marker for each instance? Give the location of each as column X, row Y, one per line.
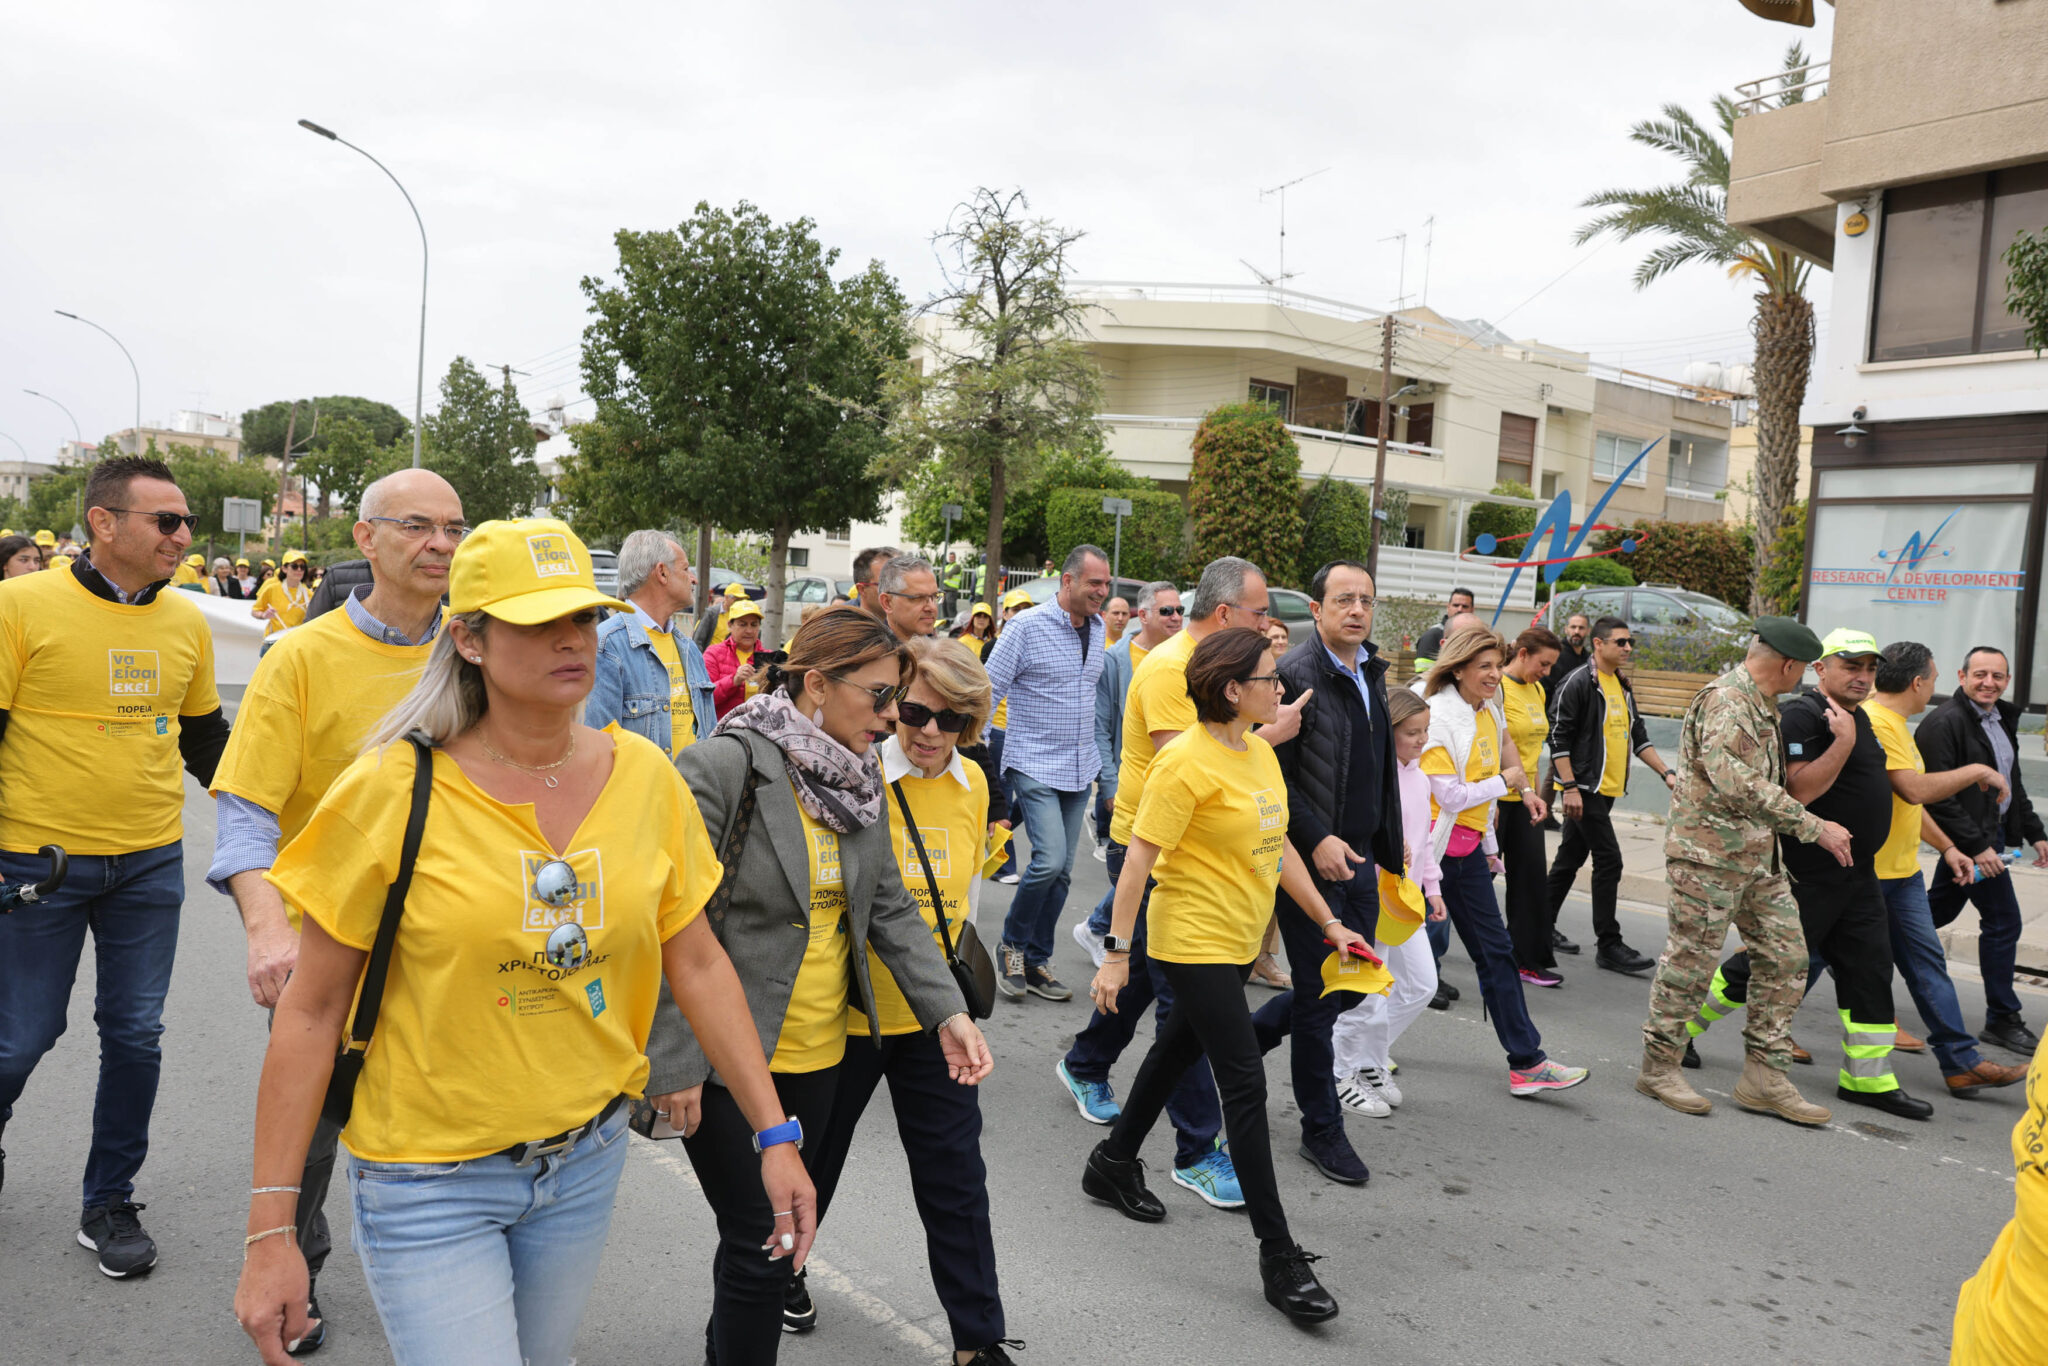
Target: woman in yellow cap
column 282, row 601
column 732, row 662
column 191, row 573
column 557, row 882
column 19, row 555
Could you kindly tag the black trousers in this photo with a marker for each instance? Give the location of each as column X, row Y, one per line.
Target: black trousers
column 1210, row 1016
column 939, row 1123
column 1591, row 834
column 1531, row 916
column 1847, row 925
column 746, row 1296
column 1312, row 1055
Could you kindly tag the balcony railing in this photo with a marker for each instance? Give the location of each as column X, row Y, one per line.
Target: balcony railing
column 1303, row 433
column 1804, row 83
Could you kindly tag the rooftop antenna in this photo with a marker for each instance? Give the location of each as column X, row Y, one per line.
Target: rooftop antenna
column 1269, row 281
column 1428, row 247
column 1401, row 299
column 1281, row 276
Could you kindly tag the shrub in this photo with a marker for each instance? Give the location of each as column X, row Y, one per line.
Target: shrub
column 1607, row 571
column 1154, row 537
column 1244, row 490
column 1337, row 525
column 1399, row 619
column 1394, row 530
column 1705, row 557
column 1700, row 649
column 1501, row 520
column 1782, row 585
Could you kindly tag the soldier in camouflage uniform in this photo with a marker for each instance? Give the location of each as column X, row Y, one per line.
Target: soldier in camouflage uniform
column 1721, row 854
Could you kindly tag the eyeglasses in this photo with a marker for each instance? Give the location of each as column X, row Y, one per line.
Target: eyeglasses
column 1345, row 601
column 1169, row 611
column 167, row 523
column 413, row 529
column 1274, row 679
column 1260, row 612
column 883, row 697
column 917, row 716
column 919, row 598
column 555, row 884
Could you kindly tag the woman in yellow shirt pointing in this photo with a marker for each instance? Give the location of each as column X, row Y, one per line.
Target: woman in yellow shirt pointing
column 282, row 601
column 557, row 883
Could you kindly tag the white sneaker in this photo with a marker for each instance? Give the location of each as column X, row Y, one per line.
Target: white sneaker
column 1359, row 1098
column 1091, row 944
column 1101, row 851
column 1382, row 1083
column 1008, row 879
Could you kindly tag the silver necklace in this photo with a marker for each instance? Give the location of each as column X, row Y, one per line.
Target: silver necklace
column 541, row 771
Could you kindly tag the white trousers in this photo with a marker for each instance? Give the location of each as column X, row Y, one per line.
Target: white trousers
column 1363, row 1035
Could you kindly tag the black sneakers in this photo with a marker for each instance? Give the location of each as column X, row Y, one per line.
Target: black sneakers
column 116, row 1234
column 799, row 1312
column 996, row 1353
column 1121, row 1183
column 2010, row 1032
column 1293, row 1289
column 1041, row 982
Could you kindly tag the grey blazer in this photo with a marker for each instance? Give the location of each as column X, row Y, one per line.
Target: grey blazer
column 766, row 928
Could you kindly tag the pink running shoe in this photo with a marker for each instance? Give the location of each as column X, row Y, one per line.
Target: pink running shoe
column 1539, row 977
column 1547, row 1075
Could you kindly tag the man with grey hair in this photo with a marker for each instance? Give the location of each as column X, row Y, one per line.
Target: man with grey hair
column 909, row 596
column 651, row 678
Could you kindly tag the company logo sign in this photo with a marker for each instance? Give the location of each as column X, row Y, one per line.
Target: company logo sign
column 1916, row 573
column 1565, row 540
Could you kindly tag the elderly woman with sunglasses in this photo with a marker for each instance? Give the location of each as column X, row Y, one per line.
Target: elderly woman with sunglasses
column 792, row 791
column 938, row 821
column 558, row 879
column 282, row 601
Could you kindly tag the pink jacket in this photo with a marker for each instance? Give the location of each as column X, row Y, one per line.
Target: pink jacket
column 1422, row 864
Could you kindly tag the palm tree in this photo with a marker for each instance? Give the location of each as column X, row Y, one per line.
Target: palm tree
column 1693, row 215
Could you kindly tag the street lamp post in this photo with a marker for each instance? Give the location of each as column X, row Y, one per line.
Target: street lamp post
column 420, row 375
column 131, row 370
column 77, row 436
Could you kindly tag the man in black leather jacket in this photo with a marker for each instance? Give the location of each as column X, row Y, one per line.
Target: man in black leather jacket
column 1343, row 815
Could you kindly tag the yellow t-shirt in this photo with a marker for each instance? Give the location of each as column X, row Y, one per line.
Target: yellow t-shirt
column 1158, row 700
column 1138, row 653
column 480, row 1043
column 1219, row 817
column 1482, row 763
column 185, row 576
column 289, row 603
column 813, row 1033
column 1528, row 724
column 682, row 716
column 1614, row 776
column 1900, row 856
column 953, row 822
column 311, row 703
column 2002, row 1311
column 95, row 690
column 1000, row 718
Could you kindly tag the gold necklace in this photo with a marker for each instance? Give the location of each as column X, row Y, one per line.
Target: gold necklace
column 538, row 770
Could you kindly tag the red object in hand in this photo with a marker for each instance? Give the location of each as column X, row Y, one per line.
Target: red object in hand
column 1361, row 951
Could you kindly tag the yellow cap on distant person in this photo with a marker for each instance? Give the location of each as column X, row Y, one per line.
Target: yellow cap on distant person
column 241, row 564
column 196, row 560
column 294, row 557
column 979, row 609
column 745, row 607
column 1849, row 644
column 736, row 590
column 46, row 538
column 526, row 572
column 1016, row 597
column 60, row 561
column 270, row 564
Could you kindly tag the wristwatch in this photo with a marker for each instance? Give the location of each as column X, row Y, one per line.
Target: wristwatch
column 1112, row 944
column 789, row 1131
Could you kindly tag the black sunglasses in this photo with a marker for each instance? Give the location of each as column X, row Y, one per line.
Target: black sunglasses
column 881, row 696
column 917, row 715
column 167, row 523
column 1169, row 611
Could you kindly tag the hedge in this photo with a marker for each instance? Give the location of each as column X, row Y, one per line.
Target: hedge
column 1336, row 525
column 1244, row 490
column 1502, row 520
column 1606, row 571
column 1155, row 534
column 1705, row 557
column 1783, row 584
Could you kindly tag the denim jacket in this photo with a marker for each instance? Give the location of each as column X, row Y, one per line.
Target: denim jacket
column 632, row 682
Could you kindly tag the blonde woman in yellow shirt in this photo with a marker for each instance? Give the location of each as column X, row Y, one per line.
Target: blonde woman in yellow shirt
column 282, row 601
column 557, row 885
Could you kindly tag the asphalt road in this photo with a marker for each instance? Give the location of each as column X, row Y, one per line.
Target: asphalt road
column 1592, row 1226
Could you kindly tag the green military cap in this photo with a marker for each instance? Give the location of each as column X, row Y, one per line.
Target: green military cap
column 1790, row 638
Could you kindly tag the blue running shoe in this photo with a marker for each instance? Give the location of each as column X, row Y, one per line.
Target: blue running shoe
column 1094, row 1099
column 1214, row 1178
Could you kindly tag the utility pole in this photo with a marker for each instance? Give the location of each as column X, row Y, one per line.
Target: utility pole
column 1379, row 462
column 284, row 471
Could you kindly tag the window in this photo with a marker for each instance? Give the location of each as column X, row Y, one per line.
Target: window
column 841, row 534
column 1613, row 454
column 1289, row 607
column 1698, row 466
column 1940, row 277
column 1654, row 609
column 799, row 557
column 1279, row 397
column 1517, row 461
column 806, row 590
column 1591, row 603
column 1421, row 424
column 1412, row 536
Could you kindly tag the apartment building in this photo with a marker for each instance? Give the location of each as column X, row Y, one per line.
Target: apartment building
column 207, row 431
column 1921, row 150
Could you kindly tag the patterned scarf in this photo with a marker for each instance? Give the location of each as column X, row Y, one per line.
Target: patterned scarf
column 841, row 790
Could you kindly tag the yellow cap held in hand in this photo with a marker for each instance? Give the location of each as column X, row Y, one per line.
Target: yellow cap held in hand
column 1402, row 907
column 525, row 572
column 1347, row 972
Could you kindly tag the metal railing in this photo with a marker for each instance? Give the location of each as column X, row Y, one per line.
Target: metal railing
column 1782, row 88
column 1308, row 433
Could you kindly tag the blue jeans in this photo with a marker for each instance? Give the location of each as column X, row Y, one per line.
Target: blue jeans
column 1475, row 914
column 1052, row 821
column 482, row 1263
column 130, row 902
column 1917, row 950
column 1998, row 917
column 995, row 758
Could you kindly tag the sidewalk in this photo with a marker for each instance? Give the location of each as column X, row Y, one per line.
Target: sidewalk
column 1642, row 880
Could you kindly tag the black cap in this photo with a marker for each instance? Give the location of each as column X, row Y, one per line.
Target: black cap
column 1790, row 638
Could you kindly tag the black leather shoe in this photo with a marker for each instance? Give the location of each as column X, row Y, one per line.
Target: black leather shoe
column 1121, row 1184
column 1560, row 944
column 1619, row 957
column 799, row 1311
column 2010, row 1032
column 1692, row 1056
column 1292, row 1288
column 1895, row 1103
column 1450, row 992
column 1442, row 999
column 316, row 1337
column 996, row 1353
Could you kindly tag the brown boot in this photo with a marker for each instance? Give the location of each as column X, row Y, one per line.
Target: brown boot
column 1665, row 1082
column 1767, row 1091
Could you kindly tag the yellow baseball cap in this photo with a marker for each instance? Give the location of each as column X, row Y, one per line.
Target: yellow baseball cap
column 196, row 560
column 736, row 590
column 1847, row 643
column 979, row 609
column 46, row 538
column 1016, row 597
column 59, row 561
column 293, row 557
column 272, row 564
column 241, row 564
column 526, row 572
column 745, row 607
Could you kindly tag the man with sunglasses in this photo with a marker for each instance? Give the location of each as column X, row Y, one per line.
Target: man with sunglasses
column 310, row 704
column 1595, row 730
column 110, row 678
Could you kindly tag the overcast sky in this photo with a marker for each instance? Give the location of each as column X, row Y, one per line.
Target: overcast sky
column 155, row 181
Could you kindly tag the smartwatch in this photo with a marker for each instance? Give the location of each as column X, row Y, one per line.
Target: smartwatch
column 1112, row 944
column 789, row 1131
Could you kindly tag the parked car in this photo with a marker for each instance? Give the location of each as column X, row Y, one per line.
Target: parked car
column 604, row 567
column 718, row 578
column 1044, row 590
column 1291, row 609
column 1651, row 610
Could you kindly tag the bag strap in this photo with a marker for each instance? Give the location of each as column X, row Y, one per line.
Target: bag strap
column 924, row 861
column 735, row 840
column 394, row 900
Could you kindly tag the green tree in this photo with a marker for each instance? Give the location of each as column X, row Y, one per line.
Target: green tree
column 348, row 459
column 1394, row 531
column 1244, row 490
column 1692, row 215
column 263, row 429
column 481, row 440
column 1707, row 557
column 1026, row 538
column 738, row 382
column 1336, row 524
column 1154, row 535
column 1502, row 520
column 208, row 478
column 1005, row 381
column 2026, row 284
column 1784, row 580
column 54, row 501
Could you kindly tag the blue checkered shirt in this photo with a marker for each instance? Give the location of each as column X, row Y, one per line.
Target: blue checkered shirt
column 1047, row 668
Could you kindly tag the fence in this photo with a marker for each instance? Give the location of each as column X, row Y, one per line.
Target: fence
column 1406, row 572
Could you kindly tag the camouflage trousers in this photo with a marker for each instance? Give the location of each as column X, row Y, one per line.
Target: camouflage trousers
column 1702, row 903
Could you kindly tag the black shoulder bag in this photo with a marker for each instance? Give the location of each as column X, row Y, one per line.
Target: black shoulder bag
column 973, row 972
column 348, row 1064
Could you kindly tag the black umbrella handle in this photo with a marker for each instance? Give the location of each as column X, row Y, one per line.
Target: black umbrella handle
column 27, row 893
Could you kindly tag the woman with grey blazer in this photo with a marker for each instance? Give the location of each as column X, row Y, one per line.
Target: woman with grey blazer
column 793, row 798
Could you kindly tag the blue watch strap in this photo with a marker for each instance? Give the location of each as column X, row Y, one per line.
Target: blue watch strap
column 789, row 1131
